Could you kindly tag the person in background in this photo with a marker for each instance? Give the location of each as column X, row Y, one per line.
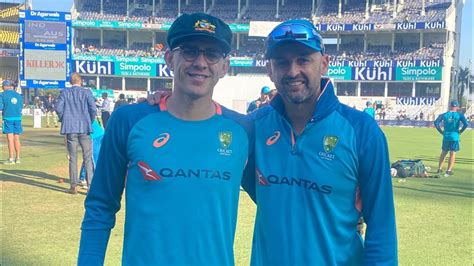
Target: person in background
column 121, row 101
column 449, row 125
column 104, row 108
column 49, row 103
column 12, row 105
column 96, row 137
column 262, row 100
column 369, row 109
column 76, row 110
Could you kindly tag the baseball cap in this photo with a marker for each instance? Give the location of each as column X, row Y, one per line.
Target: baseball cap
column 368, row 103
column 294, row 31
column 6, row 83
column 265, row 90
column 454, row 103
column 199, row 24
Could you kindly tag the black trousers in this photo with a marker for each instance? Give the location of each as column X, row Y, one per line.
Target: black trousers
column 105, row 118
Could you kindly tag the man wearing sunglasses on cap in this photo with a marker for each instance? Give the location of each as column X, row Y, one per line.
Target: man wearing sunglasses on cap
column 336, row 165
column 180, row 161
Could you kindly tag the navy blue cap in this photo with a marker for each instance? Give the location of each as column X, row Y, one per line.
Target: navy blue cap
column 6, row 83
column 294, row 31
column 454, row 103
column 188, row 26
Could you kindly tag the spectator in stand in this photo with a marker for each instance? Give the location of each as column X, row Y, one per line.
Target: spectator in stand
column 421, row 115
column 121, row 101
column 262, row 100
column 12, row 104
column 451, row 122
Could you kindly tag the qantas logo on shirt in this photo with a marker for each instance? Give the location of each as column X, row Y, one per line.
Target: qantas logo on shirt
column 161, row 140
column 147, row 172
column 293, row 181
column 273, row 138
column 261, row 179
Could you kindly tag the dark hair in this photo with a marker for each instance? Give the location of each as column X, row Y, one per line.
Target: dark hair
column 122, row 96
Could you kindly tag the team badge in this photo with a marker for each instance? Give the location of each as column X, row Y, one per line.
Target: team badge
column 330, row 143
column 204, row 25
column 226, row 139
column 14, row 100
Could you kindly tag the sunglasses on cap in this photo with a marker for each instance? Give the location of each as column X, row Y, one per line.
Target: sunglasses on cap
column 190, row 54
column 296, row 32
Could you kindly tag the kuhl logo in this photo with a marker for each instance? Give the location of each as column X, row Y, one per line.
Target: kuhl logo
column 226, row 139
column 330, row 143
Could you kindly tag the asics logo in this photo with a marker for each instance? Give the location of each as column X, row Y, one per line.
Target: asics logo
column 273, row 138
column 147, row 172
column 161, row 140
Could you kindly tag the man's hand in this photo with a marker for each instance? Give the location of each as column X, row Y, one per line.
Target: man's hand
column 154, row 99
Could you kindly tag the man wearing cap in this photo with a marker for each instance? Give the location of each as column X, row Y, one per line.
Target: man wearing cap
column 180, row 162
column 262, row 100
column 12, row 104
column 321, row 165
column 449, row 125
column 369, row 109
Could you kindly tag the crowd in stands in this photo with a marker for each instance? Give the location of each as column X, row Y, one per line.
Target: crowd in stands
column 9, row 36
column 8, row 73
column 253, row 48
column 266, row 10
column 92, row 47
column 9, row 12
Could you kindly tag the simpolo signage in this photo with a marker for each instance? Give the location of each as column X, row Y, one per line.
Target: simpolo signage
column 340, row 73
column 418, row 73
column 135, row 69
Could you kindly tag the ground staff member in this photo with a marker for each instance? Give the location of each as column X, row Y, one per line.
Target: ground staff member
column 451, row 122
column 336, row 165
column 183, row 160
column 12, row 104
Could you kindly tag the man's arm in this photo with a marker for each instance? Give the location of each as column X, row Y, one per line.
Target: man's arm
column 103, row 199
column 60, row 106
column 377, row 201
column 91, row 105
column 437, row 124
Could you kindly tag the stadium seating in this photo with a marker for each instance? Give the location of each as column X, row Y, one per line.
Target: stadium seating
column 265, row 10
column 9, row 12
column 9, row 36
column 10, row 73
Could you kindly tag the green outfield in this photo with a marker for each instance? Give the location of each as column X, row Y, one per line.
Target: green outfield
column 41, row 223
